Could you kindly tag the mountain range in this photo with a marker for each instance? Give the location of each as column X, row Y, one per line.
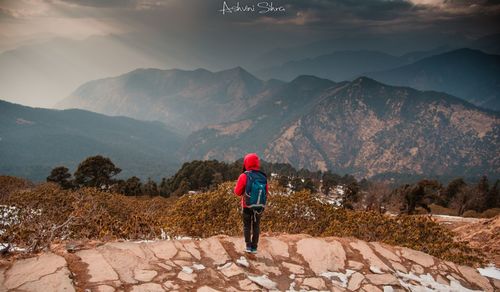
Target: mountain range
column 362, row 126
column 35, row 140
column 466, row 73
column 185, row 100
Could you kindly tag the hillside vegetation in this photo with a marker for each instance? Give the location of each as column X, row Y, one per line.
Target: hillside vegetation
column 45, row 214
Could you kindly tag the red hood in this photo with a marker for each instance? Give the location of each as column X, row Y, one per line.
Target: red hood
column 251, row 162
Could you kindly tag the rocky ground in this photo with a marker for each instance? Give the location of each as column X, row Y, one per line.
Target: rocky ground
column 286, row 262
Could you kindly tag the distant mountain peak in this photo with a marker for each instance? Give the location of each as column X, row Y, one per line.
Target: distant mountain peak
column 237, row 71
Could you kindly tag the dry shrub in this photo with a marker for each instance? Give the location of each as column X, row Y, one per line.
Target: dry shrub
column 205, row 214
column 8, row 184
column 48, row 213
column 217, row 212
column 490, row 213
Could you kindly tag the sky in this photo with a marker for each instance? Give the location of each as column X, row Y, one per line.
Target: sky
column 201, row 33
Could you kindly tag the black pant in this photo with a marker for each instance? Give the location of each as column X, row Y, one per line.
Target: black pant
column 251, row 227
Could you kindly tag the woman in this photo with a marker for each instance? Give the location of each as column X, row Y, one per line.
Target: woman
column 252, row 188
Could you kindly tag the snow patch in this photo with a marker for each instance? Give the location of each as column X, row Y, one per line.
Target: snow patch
column 490, row 272
column 344, row 278
column 242, row 261
column 263, row 281
column 187, row 270
column 376, row 270
column 198, row 267
column 427, row 283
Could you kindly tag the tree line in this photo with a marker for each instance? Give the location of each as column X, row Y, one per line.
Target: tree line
column 100, row 172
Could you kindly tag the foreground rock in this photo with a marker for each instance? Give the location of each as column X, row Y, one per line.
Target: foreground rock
column 287, row 262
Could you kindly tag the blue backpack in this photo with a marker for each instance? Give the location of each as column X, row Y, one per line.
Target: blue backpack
column 255, row 191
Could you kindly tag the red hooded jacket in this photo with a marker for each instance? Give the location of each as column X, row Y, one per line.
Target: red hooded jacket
column 251, row 162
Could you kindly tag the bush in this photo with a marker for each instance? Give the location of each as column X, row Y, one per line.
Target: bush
column 47, row 213
column 9, row 184
column 217, row 212
column 490, row 213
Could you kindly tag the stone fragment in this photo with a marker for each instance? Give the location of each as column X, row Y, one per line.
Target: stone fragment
column 418, row 257
column 293, row 268
column 441, row 280
column 144, row 275
column 214, row 250
column 242, row 261
column 191, row 247
column 276, row 247
column 496, row 283
column 473, row 276
column 27, row 270
column 187, row 270
column 321, row 255
column 368, row 254
column 399, row 267
column 186, row 277
column 164, row 249
column 182, row 263
column 265, row 269
column 315, row 283
column 339, row 278
column 248, row 285
column 164, row 266
column 388, row 289
column 184, row 255
column 263, row 281
column 147, row 287
column 355, row 281
column 58, row 281
column 371, row 288
column 386, row 253
column 198, row 267
column 383, row 279
column 417, row 269
column 206, row 289
column 375, row 270
column 229, row 270
column 105, row 288
column 355, row 265
column 123, row 262
column 171, row 285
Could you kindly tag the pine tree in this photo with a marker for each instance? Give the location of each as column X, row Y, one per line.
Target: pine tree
column 61, row 176
column 96, row 171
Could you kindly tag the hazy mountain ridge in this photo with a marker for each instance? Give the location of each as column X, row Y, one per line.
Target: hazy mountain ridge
column 34, row 140
column 466, row 73
column 362, row 127
column 185, row 100
column 397, row 45
column 367, row 128
column 337, row 66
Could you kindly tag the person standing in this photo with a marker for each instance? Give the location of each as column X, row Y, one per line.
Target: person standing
column 253, row 189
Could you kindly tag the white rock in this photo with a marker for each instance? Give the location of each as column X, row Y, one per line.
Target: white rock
column 242, row 261
column 187, row 270
column 376, row 270
column 263, row 281
column 198, row 267
column 344, row 278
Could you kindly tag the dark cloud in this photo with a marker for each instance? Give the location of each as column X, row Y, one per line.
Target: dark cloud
column 100, row 3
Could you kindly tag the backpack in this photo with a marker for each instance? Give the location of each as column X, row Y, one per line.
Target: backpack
column 255, row 191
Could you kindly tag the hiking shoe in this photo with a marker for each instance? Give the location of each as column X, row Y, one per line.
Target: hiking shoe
column 253, row 250
column 248, row 250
